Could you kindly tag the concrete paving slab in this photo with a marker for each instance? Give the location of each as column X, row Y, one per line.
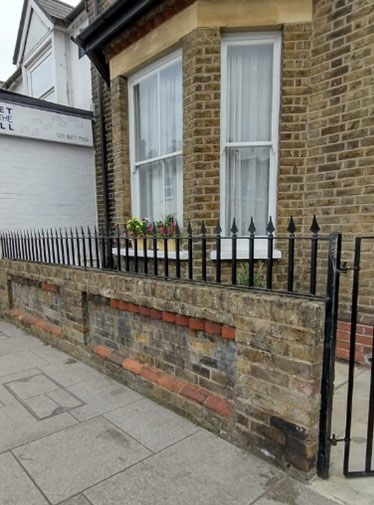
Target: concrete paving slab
column 18, row 426
column 31, row 386
column 201, row 469
column 50, row 354
column 358, row 491
column 290, row 492
column 42, row 406
column 65, row 399
column 68, row 462
column 101, row 395
column 16, row 488
column 19, row 361
column 152, row 425
column 70, row 372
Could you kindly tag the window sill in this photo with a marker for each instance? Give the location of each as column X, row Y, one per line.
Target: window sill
column 243, row 255
column 183, row 255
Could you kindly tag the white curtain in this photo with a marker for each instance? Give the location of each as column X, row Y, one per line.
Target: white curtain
column 158, row 133
column 146, row 119
column 249, row 112
column 171, row 109
column 160, row 184
column 249, row 92
column 247, row 187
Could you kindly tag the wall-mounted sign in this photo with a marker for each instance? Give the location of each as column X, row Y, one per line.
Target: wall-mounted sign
column 6, row 118
column 24, row 121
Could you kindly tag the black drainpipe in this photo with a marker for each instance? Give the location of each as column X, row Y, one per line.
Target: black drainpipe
column 102, row 138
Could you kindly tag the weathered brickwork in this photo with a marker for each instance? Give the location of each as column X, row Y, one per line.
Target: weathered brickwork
column 339, row 176
column 244, row 364
column 364, row 342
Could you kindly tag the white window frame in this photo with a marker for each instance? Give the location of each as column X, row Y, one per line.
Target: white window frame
column 153, row 68
column 33, row 65
column 274, row 38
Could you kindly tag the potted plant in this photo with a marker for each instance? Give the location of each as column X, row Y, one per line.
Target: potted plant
column 167, row 228
column 140, row 229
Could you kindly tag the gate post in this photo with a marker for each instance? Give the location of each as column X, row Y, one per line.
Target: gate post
column 329, row 346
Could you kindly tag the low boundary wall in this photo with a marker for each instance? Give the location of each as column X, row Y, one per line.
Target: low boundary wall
column 243, row 364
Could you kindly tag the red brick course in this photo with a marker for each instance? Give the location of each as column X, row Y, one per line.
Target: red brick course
column 211, row 327
column 192, row 392
column 52, row 288
column 364, row 342
column 102, row 351
column 31, row 320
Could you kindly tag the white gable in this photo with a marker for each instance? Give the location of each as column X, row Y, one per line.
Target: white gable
column 36, row 32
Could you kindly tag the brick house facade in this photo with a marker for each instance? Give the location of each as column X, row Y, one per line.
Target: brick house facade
column 323, row 136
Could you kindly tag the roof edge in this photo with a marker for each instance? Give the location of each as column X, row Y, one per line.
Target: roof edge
column 12, row 78
column 37, row 103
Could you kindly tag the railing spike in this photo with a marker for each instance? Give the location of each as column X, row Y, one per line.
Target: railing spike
column 270, row 227
column 203, row 228
column 252, row 227
column 218, row 228
column 189, row 228
column 315, row 226
column 177, row 229
column 291, row 226
column 234, row 228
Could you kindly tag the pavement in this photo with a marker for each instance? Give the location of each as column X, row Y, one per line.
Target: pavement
column 357, row 491
column 70, row 435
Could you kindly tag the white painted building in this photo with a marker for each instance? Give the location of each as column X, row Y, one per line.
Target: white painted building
column 47, row 176
column 50, row 65
column 47, row 167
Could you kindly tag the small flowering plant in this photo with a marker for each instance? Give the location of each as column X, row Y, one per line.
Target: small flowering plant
column 167, row 227
column 138, row 227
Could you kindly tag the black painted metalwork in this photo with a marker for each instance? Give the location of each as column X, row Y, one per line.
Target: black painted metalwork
column 291, row 254
column 218, row 258
column 234, row 247
column 368, row 469
column 315, row 229
column 269, row 274
column 328, row 368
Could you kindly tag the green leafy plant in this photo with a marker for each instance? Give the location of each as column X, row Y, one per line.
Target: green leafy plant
column 138, row 227
column 259, row 274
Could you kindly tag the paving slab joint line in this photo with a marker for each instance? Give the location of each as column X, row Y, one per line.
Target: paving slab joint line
column 31, row 478
column 105, row 413
column 262, row 495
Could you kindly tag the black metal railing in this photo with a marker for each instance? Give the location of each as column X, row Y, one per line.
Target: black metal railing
column 194, row 256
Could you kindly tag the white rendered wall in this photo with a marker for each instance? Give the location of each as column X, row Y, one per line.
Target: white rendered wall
column 79, row 69
column 45, row 184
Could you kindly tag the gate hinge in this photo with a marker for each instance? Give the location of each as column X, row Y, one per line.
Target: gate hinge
column 334, row 441
column 344, row 269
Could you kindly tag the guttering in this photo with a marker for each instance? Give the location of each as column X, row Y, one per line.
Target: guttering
column 107, row 25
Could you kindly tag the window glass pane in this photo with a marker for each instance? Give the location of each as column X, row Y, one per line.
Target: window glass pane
column 171, row 108
column 173, row 187
column 151, row 190
column 249, row 92
column 247, row 188
column 41, row 78
column 146, row 119
column 160, row 184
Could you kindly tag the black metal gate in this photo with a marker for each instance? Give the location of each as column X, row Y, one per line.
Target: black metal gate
column 327, row 390
column 367, row 465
